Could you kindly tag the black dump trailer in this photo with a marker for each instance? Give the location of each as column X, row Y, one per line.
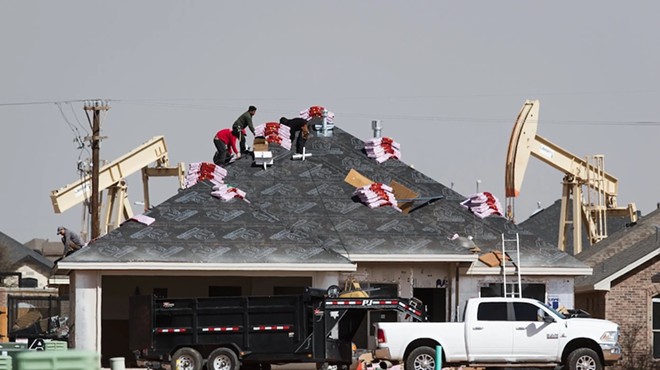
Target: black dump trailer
column 252, row 332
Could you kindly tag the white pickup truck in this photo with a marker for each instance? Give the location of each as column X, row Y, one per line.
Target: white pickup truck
column 504, row 332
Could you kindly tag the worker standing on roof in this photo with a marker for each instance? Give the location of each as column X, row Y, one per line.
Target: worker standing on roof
column 243, row 121
column 225, row 140
column 298, row 127
column 70, row 240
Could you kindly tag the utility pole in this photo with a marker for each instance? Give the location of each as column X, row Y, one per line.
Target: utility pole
column 95, row 106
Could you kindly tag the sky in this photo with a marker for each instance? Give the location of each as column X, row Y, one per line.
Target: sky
column 446, row 79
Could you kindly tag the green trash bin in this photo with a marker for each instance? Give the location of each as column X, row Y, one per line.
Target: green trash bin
column 11, row 349
column 55, row 345
column 58, row 360
column 5, row 362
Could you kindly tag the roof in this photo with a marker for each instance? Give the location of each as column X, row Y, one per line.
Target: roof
column 15, row 253
column 621, row 253
column 302, row 215
column 545, row 224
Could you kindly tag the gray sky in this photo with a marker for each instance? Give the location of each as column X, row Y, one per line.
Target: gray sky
column 447, row 79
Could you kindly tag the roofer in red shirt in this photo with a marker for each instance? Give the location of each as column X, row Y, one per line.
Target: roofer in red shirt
column 225, row 140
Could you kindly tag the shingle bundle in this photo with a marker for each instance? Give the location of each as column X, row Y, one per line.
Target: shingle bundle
column 317, row 112
column 382, row 149
column 226, row 192
column 483, row 205
column 376, row 195
column 275, row 133
column 201, row 171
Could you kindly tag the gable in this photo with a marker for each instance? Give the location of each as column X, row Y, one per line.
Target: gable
column 303, row 215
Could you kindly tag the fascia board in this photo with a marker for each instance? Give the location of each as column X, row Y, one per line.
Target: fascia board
column 411, row 257
column 606, row 283
column 124, row 266
column 565, row 271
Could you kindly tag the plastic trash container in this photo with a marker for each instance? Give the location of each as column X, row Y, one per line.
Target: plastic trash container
column 58, row 360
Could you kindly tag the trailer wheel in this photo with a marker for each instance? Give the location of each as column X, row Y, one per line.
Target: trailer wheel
column 421, row 358
column 186, row 358
column 222, row 359
column 583, row 359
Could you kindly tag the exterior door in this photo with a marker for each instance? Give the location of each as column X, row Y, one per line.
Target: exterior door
column 490, row 337
column 533, row 338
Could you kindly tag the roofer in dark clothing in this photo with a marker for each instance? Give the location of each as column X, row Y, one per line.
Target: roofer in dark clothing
column 298, row 128
column 243, row 121
column 224, row 140
column 70, row 240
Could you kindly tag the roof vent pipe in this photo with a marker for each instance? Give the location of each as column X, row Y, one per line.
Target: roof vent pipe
column 377, row 127
column 324, row 118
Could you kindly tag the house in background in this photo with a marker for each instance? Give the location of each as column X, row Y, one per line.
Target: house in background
column 52, row 250
column 545, row 222
column 625, row 284
column 301, row 225
column 24, row 275
column 625, row 288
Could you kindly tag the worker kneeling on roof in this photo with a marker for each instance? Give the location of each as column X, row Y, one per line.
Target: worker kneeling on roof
column 225, row 140
column 70, row 240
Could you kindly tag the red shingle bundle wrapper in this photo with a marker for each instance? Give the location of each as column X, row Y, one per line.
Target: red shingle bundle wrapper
column 376, row 195
column 227, row 193
column 200, row 171
column 275, row 133
column 317, row 112
column 483, row 205
column 382, row 149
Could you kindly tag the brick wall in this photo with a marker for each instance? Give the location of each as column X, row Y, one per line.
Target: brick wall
column 592, row 302
column 628, row 303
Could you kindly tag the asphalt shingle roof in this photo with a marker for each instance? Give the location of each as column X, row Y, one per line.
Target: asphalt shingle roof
column 545, row 224
column 621, row 249
column 13, row 253
column 304, row 212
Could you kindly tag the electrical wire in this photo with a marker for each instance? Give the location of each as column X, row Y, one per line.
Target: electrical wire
column 77, row 119
column 194, row 104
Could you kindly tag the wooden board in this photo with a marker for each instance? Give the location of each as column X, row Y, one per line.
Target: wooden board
column 357, row 179
column 402, row 192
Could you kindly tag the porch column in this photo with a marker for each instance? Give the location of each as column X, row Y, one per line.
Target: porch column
column 86, row 309
column 324, row 279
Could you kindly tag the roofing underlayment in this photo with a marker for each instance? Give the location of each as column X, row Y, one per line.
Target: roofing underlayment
column 303, row 215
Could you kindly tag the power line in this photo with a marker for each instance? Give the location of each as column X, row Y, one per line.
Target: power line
column 179, row 103
column 40, row 102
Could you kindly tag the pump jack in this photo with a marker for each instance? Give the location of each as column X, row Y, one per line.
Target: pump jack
column 112, row 177
column 601, row 187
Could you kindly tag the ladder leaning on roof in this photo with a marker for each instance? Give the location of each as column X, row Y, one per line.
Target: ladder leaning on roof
column 509, row 255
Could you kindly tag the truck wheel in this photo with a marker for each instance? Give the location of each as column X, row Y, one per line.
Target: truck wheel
column 222, row 359
column 584, row 359
column 421, row 358
column 186, row 359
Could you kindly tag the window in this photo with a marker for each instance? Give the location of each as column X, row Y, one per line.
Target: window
column 492, row 311
column 535, row 291
column 29, row 283
column 656, row 326
column 526, row 312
